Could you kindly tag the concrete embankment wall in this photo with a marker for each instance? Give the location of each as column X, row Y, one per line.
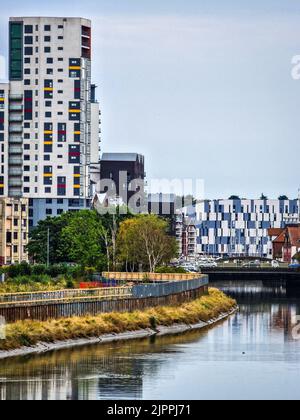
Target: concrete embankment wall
column 142, row 297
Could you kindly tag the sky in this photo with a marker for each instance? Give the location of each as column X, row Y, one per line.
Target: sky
column 202, row 88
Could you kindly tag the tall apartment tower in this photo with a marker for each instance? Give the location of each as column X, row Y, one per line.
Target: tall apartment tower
column 53, row 117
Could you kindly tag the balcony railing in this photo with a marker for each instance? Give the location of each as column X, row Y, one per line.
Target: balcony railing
column 15, row 151
column 15, row 118
column 15, row 161
column 15, row 139
column 16, row 97
column 16, row 108
column 16, row 129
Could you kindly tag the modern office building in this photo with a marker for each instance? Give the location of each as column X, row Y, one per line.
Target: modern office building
column 13, row 230
column 49, row 121
column 240, row 227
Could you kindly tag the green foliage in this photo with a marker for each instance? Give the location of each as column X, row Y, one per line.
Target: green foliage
column 144, row 240
column 283, row 197
column 82, row 239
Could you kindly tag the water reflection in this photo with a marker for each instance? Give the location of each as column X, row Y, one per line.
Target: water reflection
column 250, row 355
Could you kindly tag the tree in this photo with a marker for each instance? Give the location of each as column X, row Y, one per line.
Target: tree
column 144, row 240
column 82, row 238
column 37, row 246
column 263, row 197
column 234, row 197
column 283, row 197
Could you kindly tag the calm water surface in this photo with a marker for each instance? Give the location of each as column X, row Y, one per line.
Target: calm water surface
column 252, row 355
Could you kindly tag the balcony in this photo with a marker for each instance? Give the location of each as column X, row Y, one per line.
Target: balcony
column 15, row 192
column 15, row 139
column 17, row 182
column 16, row 97
column 15, row 150
column 15, row 118
column 16, row 108
column 16, row 128
column 15, row 172
column 15, row 161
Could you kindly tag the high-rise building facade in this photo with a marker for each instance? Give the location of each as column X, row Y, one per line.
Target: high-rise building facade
column 50, row 116
column 240, row 227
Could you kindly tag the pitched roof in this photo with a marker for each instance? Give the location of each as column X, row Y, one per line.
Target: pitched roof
column 294, row 235
column 275, row 231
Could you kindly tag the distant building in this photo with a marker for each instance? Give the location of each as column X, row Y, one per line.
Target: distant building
column 286, row 242
column 13, row 230
column 119, row 172
column 186, row 236
column 240, row 227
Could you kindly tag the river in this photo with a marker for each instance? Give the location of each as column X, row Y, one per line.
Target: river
column 252, row 355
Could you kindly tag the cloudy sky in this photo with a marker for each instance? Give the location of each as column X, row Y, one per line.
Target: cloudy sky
column 202, row 88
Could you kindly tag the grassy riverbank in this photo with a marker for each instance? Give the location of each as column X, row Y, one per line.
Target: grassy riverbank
column 30, row 333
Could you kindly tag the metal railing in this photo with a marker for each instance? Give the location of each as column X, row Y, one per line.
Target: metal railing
column 153, row 277
column 60, row 296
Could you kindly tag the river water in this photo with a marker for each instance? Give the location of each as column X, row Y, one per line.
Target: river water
column 252, row 355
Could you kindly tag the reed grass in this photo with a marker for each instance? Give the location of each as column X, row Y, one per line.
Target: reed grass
column 29, row 333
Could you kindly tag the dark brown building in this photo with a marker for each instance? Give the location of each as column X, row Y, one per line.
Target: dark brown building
column 125, row 172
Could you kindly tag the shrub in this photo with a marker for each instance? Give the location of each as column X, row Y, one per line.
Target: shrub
column 39, row 269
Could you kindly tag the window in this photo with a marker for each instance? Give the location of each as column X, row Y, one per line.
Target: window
column 26, row 179
column 26, row 146
column 46, row 158
column 49, row 201
column 60, row 201
column 60, row 26
column 27, row 136
column 48, row 114
column 47, row 190
column 28, row 29
column 61, row 185
column 26, row 157
column 48, row 212
column 27, row 60
column 60, row 211
column 26, row 190
column 28, row 40
column 16, row 50
column 47, row 50
column 60, row 59
column 47, row 28
column 49, row 71
column 60, row 37
column 27, row 71
column 28, row 51
column 48, row 103
column 60, row 48
column 49, row 60
column 47, row 38
column 26, row 168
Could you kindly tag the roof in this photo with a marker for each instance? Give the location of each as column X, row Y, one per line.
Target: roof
column 275, row 231
column 122, row 157
column 294, row 234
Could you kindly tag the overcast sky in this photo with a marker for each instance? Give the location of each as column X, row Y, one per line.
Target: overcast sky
column 202, row 88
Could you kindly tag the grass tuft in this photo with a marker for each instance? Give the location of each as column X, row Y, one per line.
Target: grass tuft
column 29, row 333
